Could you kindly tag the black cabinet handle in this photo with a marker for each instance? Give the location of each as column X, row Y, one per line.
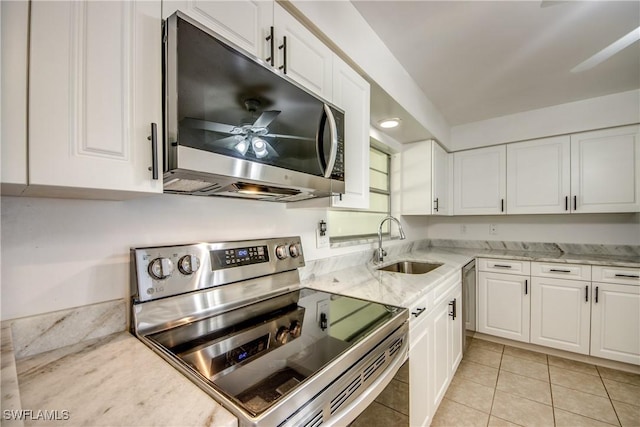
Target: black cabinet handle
column 526, row 287
column 418, row 311
column 154, row 150
column 596, row 294
column 586, row 293
column 437, row 204
column 271, row 41
column 566, row 203
column 454, row 310
column 559, row 271
column 501, row 266
column 283, row 47
column 575, row 203
column 501, row 205
column 629, row 276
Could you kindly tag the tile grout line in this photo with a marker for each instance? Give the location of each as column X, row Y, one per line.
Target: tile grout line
column 495, row 386
column 553, row 406
column 608, row 395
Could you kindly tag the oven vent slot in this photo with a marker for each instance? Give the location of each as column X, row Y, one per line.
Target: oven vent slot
column 395, row 347
column 315, row 421
column 344, row 395
column 373, row 367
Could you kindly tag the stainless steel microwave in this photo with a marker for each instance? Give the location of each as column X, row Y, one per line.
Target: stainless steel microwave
column 236, row 127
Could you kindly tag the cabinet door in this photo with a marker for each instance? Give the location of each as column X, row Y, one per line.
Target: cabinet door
column 15, row 29
column 351, row 93
column 503, row 305
column 479, row 181
column 417, row 159
column 605, row 170
column 560, row 313
column 439, row 368
column 419, row 361
column 455, row 328
column 95, row 88
column 538, row 175
column 245, row 23
column 442, row 171
column 615, row 328
column 302, row 57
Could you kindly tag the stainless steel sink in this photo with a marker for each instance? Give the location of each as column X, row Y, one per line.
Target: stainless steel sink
column 410, row 267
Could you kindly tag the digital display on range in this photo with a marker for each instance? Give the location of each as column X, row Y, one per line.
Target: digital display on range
column 227, row 258
column 240, row 354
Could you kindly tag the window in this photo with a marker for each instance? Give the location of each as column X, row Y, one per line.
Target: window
column 357, row 224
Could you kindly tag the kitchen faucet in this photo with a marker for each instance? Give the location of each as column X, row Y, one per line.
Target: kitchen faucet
column 380, row 253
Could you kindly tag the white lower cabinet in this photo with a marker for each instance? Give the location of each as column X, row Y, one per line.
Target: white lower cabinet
column 435, row 352
column 419, row 360
column 591, row 310
column 503, row 305
column 560, row 313
column 615, row 322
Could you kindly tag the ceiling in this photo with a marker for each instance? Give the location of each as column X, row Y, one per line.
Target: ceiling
column 476, row 60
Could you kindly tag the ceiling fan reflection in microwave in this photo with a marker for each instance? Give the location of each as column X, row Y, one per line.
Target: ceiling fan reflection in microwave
column 242, row 137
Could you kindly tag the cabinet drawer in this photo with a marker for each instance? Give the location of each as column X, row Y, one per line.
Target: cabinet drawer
column 561, row 271
column 505, row 266
column 621, row 275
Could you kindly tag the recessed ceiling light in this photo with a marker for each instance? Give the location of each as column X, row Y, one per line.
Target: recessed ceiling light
column 389, row 123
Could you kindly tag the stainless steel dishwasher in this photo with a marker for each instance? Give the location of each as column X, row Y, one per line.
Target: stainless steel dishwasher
column 468, row 300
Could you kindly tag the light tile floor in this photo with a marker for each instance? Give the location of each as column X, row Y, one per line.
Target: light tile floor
column 499, row 385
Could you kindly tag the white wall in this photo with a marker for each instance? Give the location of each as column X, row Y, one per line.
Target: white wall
column 595, row 113
column 341, row 23
column 608, row 229
column 59, row 253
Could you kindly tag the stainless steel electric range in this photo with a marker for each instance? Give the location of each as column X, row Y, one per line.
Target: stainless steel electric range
column 234, row 319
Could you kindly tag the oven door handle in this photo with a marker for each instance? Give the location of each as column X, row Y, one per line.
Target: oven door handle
column 327, row 117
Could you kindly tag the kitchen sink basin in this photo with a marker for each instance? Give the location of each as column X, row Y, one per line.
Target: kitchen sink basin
column 411, row 267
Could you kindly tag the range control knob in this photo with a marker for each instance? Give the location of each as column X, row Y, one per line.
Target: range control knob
column 294, row 250
column 188, row 264
column 295, row 328
column 282, row 336
column 282, row 251
column 161, row 268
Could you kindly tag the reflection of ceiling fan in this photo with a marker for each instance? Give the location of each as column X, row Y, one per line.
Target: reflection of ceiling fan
column 247, row 135
column 606, row 53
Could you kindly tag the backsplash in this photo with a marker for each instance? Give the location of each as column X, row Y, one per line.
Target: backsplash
column 50, row 331
column 567, row 248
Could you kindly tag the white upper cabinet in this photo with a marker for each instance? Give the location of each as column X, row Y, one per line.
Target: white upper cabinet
column 351, row 93
column 94, row 92
column 426, row 179
column 245, row 23
column 15, row 28
column 538, row 177
column 605, row 170
column 480, row 181
column 442, row 172
column 301, row 55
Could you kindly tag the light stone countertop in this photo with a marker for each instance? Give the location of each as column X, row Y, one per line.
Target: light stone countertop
column 391, row 288
column 117, row 381
column 114, row 381
column 366, row 282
